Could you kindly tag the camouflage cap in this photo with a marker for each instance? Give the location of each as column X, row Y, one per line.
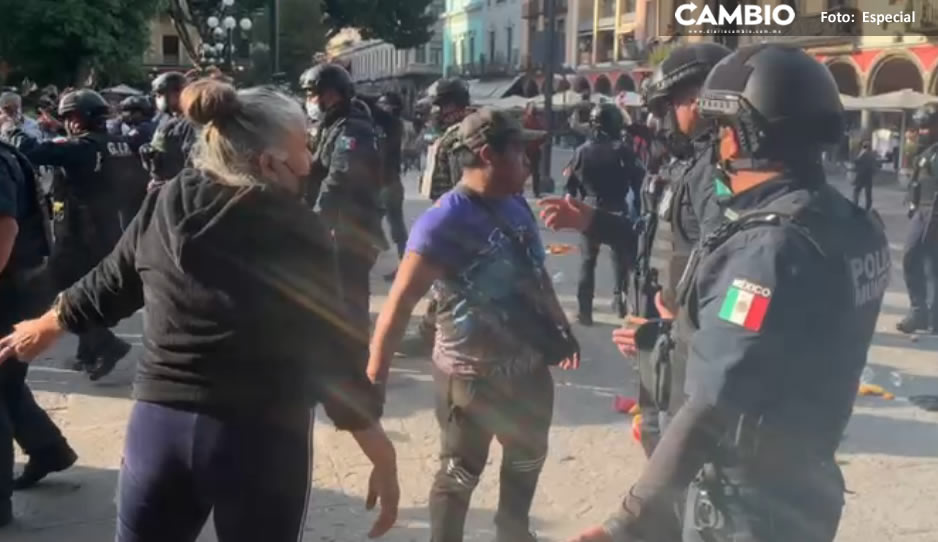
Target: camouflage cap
column 488, row 125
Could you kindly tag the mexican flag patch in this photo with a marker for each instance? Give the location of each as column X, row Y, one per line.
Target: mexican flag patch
column 746, row 304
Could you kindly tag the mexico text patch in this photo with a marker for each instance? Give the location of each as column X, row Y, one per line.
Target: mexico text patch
column 746, row 304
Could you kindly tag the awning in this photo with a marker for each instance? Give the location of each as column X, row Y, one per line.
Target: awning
column 481, row 90
column 900, row 100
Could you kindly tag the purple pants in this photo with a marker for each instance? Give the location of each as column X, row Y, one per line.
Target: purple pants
column 252, row 471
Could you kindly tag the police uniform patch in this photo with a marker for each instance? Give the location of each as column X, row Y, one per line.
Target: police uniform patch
column 346, row 143
column 746, row 304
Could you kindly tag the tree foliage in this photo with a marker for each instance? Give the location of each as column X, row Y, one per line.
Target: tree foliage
column 64, row 41
column 403, row 23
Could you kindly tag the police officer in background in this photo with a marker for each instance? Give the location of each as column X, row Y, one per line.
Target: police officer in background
column 677, row 206
column 392, row 193
column 24, row 245
column 137, row 118
column 603, row 171
column 793, row 281
column 168, row 152
column 347, row 167
column 85, row 206
column 920, row 255
column 452, row 102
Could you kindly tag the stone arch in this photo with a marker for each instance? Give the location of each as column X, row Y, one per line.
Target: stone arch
column 846, row 76
column 624, row 83
column 582, row 84
column 603, row 85
column 895, row 72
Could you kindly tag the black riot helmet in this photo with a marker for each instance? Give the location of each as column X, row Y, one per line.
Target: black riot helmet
column 686, row 66
column 391, row 102
column 606, row 120
column 452, row 91
column 91, row 108
column 323, row 77
column 783, row 104
column 169, row 82
column 135, row 104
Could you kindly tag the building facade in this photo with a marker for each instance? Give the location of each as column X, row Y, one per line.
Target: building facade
column 481, row 38
column 377, row 66
column 165, row 51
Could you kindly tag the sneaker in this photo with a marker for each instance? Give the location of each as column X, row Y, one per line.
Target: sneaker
column 43, row 464
column 107, row 360
column 912, row 323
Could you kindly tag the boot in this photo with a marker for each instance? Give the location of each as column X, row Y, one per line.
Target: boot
column 523, row 537
column 108, row 358
column 584, row 319
column 915, row 321
column 43, row 463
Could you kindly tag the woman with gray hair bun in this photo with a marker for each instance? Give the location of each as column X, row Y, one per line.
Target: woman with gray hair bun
column 243, row 335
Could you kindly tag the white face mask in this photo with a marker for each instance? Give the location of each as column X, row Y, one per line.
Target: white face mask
column 161, row 104
column 313, row 111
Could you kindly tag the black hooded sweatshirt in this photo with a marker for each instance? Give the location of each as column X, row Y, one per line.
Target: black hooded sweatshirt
column 241, row 303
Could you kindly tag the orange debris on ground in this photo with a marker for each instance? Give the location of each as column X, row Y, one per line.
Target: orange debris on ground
column 559, row 248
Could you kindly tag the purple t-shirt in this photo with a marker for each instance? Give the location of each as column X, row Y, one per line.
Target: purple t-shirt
column 482, row 270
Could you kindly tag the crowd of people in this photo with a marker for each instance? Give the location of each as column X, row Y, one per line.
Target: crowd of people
column 245, row 227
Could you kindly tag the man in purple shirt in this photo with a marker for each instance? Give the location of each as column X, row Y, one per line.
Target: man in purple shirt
column 479, row 248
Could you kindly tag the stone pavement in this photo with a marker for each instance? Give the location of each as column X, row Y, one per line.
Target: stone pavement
column 889, row 456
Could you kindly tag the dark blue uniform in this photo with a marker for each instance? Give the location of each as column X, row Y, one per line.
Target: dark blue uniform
column 23, row 294
column 920, row 255
column 603, row 172
column 778, row 309
column 347, row 166
column 85, row 210
column 171, row 146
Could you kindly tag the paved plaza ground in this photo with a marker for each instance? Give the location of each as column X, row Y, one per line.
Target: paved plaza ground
column 889, row 455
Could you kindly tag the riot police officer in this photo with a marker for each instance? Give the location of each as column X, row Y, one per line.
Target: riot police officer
column 85, row 197
column 347, row 166
column 137, row 118
column 920, row 255
column 168, row 152
column 792, row 281
column 677, row 204
column 24, row 245
column 603, row 171
column 451, row 101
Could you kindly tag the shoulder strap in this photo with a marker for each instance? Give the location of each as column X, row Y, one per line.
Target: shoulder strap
column 501, row 223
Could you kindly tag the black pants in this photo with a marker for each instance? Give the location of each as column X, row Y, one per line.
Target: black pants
column 393, row 202
column 867, row 189
column 71, row 260
column 252, row 471
column 589, row 254
column 20, row 417
column 355, row 270
column 517, row 411
column 920, row 266
column 534, row 159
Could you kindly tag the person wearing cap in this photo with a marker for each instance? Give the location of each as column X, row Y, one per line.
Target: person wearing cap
column 479, row 250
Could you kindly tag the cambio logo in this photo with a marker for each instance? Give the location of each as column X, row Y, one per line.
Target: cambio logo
column 742, row 15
